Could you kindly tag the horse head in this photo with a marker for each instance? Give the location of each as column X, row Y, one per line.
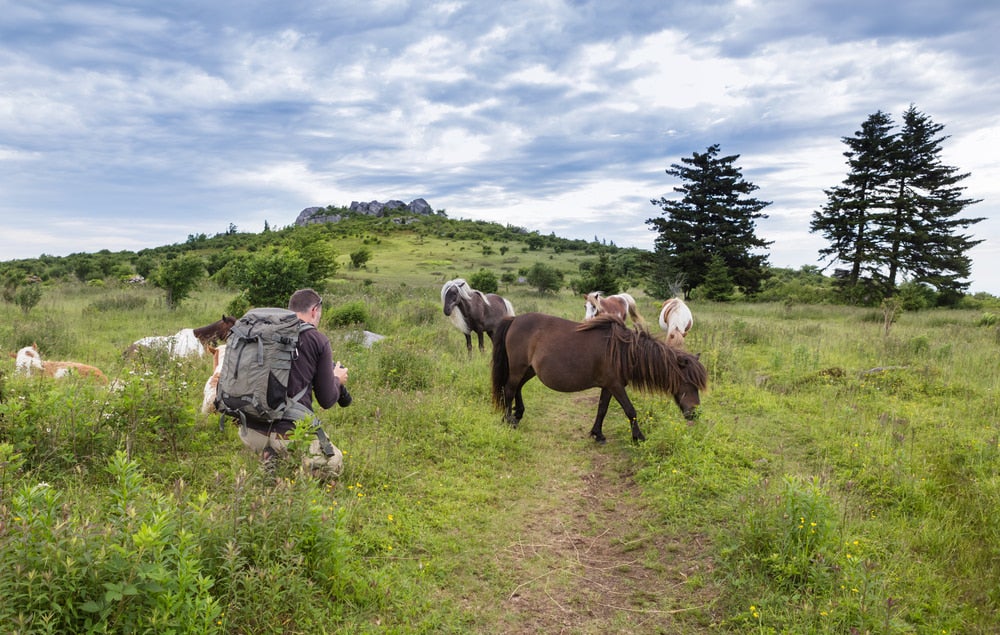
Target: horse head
column 27, row 358
column 694, row 378
column 453, row 292
column 592, row 304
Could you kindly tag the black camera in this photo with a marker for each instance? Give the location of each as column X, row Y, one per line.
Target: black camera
column 345, row 397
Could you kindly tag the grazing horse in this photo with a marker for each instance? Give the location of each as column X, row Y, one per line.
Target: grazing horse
column 211, row 334
column 621, row 305
column 29, row 360
column 473, row 311
column 676, row 320
column 600, row 353
column 212, row 385
column 186, row 342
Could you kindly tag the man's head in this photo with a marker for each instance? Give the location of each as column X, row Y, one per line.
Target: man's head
column 307, row 304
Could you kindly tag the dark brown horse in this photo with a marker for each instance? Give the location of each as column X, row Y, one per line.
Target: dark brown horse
column 473, row 311
column 216, row 332
column 600, row 353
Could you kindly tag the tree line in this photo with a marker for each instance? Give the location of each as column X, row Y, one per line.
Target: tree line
column 893, row 226
column 895, row 219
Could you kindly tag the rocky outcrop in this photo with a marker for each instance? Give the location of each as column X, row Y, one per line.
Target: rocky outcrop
column 373, row 208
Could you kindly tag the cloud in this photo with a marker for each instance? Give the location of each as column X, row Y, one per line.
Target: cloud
column 150, row 123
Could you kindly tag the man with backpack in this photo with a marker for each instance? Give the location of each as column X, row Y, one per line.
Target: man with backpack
column 309, row 369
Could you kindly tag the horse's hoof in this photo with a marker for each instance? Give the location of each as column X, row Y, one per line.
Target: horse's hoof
column 599, row 439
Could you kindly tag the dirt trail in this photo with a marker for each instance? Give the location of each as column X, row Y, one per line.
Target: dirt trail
column 589, row 557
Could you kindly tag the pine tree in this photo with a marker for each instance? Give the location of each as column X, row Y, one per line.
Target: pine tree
column 717, row 285
column 922, row 223
column 847, row 218
column 715, row 217
column 895, row 215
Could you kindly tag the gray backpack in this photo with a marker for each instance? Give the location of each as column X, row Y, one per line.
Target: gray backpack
column 253, row 380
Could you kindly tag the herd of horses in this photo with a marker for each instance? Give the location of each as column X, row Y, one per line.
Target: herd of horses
column 567, row 356
column 189, row 342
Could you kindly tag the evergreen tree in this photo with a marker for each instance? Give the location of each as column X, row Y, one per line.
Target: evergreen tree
column 714, row 217
column 895, row 215
column 717, row 286
column 847, row 218
column 922, row 224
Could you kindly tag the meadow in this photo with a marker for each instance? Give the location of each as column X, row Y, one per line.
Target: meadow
column 842, row 477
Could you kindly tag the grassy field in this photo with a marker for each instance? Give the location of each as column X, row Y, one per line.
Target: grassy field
column 840, row 478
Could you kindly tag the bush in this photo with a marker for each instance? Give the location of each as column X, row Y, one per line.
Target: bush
column 485, row 281
column 347, row 314
column 27, row 296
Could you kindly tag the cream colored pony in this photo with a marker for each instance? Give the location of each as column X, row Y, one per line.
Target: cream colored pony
column 212, row 385
column 676, row 320
column 28, row 361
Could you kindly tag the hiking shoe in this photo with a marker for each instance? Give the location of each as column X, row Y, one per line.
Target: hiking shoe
column 269, row 461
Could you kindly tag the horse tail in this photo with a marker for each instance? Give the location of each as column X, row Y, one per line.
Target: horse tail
column 509, row 308
column 633, row 309
column 500, row 367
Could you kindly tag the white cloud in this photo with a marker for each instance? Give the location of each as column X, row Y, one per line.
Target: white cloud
column 543, row 114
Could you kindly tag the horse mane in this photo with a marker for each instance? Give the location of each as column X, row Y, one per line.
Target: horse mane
column 646, row 361
column 463, row 288
column 601, row 321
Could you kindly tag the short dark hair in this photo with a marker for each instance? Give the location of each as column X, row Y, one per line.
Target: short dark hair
column 303, row 300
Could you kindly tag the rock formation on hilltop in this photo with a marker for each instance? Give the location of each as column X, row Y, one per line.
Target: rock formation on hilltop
column 323, row 214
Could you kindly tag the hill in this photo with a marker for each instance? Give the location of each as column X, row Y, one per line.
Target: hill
column 841, row 476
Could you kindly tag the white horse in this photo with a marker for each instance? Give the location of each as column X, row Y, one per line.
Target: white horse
column 676, row 320
column 181, row 344
column 621, row 305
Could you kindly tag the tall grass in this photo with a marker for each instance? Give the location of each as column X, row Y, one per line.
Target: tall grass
column 847, row 479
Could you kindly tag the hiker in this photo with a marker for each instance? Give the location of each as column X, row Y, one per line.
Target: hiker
column 313, row 371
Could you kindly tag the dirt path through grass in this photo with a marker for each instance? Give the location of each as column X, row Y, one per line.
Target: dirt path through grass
column 585, row 554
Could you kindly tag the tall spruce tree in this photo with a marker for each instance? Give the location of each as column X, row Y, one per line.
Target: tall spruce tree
column 896, row 213
column 847, row 219
column 922, row 225
column 714, row 217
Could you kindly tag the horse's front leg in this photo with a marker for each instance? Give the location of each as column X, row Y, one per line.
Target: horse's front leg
column 602, row 409
column 633, row 417
column 468, row 343
column 482, row 349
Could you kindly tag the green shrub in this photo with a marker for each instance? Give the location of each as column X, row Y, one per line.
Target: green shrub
column 346, row 314
column 485, row 281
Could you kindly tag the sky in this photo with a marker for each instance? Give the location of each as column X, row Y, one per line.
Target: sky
column 127, row 125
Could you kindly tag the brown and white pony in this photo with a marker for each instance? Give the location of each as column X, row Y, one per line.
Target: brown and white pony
column 472, row 311
column 676, row 320
column 28, row 362
column 212, row 385
column 620, row 305
column 187, row 342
